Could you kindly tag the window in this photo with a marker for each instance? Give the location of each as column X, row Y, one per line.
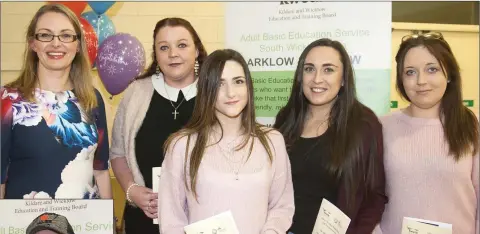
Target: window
column 436, row 12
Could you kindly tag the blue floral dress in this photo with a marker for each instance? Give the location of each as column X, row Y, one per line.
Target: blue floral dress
column 50, row 148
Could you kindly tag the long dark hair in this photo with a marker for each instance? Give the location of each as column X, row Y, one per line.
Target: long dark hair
column 204, row 118
column 174, row 22
column 347, row 124
column 459, row 123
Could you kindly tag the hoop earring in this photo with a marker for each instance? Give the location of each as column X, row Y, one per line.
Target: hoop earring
column 196, row 68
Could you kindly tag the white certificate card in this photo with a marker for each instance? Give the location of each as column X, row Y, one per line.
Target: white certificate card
column 330, row 220
column 421, row 226
column 221, row 223
column 155, row 180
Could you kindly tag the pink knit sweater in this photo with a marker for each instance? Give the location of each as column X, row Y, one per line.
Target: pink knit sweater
column 423, row 181
column 261, row 200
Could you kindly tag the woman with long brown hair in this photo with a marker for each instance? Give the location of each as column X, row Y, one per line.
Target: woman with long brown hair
column 157, row 104
column 334, row 142
column 431, row 147
column 223, row 160
column 54, row 136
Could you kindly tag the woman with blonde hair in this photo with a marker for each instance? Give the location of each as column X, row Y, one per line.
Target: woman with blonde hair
column 54, row 137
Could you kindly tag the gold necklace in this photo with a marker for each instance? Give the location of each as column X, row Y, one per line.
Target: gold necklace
column 321, row 124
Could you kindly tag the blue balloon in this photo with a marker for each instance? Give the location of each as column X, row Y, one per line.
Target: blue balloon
column 100, row 7
column 102, row 25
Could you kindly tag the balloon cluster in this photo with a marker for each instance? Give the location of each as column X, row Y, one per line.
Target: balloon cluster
column 119, row 57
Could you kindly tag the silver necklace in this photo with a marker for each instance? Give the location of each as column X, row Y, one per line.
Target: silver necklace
column 324, row 121
column 230, row 161
column 175, row 112
column 230, row 152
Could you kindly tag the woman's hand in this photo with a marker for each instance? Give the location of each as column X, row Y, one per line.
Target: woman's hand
column 152, row 210
column 145, row 199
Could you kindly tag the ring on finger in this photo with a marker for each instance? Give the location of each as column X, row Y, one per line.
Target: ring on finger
column 148, row 206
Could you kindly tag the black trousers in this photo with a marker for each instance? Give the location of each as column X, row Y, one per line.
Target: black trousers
column 136, row 222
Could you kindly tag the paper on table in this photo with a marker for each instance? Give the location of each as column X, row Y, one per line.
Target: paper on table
column 155, row 180
column 221, row 223
column 330, row 220
column 421, row 226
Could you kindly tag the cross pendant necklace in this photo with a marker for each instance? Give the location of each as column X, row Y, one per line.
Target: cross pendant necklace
column 175, row 114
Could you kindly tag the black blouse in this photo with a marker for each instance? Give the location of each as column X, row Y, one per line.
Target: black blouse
column 158, row 125
column 311, row 181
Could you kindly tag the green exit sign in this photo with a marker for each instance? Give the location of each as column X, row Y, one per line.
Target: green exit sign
column 393, row 104
column 468, row 103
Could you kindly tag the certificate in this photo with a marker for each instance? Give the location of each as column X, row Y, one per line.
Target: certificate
column 222, row 224
column 330, row 220
column 421, row 226
column 155, row 180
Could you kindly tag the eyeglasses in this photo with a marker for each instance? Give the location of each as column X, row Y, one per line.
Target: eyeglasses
column 430, row 35
column 47, row 37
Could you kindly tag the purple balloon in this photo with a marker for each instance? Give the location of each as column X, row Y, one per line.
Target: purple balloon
column 121, row 57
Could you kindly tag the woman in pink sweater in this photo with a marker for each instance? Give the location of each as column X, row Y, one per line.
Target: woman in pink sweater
column 431, row 147
column 223, row 160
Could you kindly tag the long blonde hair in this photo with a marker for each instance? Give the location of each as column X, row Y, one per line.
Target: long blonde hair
column 80, row 73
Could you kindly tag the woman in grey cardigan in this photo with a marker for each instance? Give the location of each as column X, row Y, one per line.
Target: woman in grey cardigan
column 155, row 105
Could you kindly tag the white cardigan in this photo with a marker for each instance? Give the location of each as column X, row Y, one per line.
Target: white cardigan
column 128, row 119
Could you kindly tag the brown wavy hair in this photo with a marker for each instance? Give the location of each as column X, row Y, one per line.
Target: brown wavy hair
column 204, row 119
column 80, row 71
column 460, row 124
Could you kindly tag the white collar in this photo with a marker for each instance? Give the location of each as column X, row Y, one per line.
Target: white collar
column 171, row 93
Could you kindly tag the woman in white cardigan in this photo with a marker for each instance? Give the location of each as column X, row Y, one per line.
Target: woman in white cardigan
column 155, row 105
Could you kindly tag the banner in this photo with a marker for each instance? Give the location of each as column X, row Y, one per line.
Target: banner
column 85, row 216
column 272, row 35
